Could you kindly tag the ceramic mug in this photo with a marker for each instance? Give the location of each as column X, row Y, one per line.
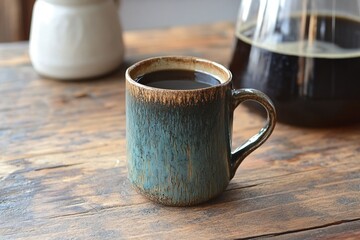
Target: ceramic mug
column 179, row 141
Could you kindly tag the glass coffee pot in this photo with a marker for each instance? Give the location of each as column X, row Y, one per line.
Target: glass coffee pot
column 305, row 55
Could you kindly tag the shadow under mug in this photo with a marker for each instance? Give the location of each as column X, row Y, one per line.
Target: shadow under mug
column 179, row 141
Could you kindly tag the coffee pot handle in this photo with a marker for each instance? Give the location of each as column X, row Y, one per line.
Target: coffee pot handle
column 247, row 94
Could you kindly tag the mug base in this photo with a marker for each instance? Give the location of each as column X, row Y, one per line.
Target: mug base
column 166, row 201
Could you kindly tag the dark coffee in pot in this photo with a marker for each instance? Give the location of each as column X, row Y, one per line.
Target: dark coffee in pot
column 313, row 83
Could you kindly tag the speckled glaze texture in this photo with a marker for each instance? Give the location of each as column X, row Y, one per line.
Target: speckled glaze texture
column 178, row 141
column 178, row 146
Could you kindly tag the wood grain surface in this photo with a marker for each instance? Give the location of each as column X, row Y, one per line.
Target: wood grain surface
column 63, row 165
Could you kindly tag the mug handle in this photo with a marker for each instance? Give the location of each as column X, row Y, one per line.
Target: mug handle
column 238, row 96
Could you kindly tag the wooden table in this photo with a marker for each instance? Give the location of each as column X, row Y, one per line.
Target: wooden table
column 63, row 163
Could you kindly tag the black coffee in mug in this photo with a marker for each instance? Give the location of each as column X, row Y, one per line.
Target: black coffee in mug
column 178, row 79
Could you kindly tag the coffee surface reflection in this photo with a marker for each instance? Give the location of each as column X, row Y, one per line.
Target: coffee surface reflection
column 178, row 79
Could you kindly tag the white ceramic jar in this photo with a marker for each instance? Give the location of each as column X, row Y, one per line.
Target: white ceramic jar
column 75, row 39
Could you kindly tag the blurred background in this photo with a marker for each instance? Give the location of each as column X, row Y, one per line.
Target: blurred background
column 139, row 14
column 15, row 15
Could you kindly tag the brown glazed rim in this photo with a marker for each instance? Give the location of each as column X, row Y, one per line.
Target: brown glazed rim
column 178, row 62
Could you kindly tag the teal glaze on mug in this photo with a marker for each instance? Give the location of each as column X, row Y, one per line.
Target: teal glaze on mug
column 179, row 141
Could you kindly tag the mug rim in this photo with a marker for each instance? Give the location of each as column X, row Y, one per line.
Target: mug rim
column 148, row 62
